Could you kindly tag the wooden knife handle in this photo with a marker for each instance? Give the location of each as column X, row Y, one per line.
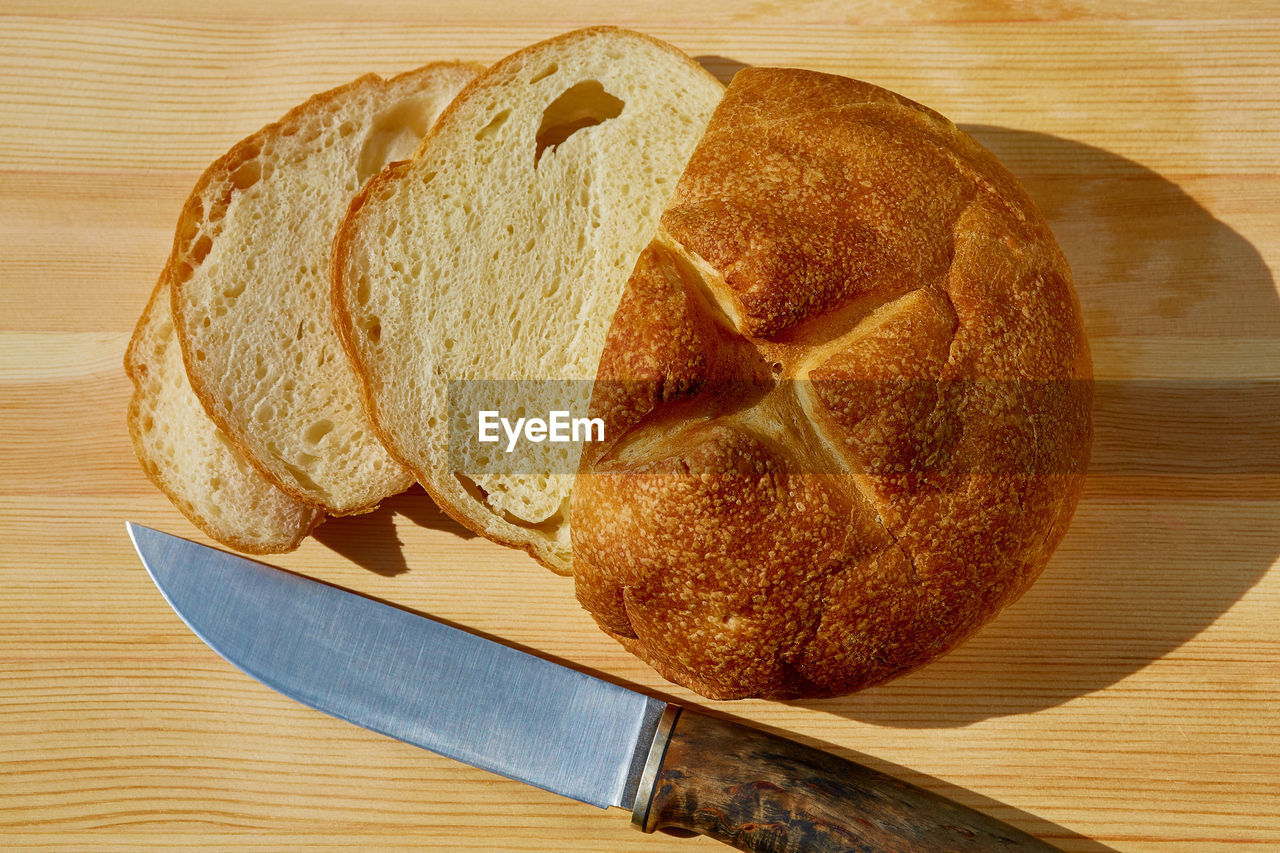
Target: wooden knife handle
column 759, row 792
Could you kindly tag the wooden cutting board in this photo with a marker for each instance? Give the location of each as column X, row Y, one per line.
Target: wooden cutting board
column 1129, row 702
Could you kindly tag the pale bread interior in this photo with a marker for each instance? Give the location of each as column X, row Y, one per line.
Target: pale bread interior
column 190, row 459
column 250, row 285
column 500, row 253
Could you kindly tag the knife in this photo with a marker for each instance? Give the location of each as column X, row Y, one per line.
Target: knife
column 534, row 721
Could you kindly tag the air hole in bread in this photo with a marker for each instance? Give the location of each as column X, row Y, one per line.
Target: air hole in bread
column 545, row 73
column 395, row 135
column 246, row 175
column 318, row 430
column 190, row 224
column 494, row 125
column 472, row 488
column 548, row 525
column 582, row 105
column 301, row 476
column 201, row 250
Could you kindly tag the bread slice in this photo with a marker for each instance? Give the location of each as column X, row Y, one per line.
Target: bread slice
column 190, row 459
column 486, row 270
column 250, row 286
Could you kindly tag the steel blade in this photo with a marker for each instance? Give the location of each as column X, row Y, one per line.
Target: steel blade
column 407, row 676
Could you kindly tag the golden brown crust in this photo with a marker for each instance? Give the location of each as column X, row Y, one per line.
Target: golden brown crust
column 919, row 447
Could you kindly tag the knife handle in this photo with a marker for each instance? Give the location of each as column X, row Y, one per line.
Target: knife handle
column 759, row 792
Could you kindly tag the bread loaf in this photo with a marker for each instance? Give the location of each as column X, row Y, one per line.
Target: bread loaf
column 250, row 285
column 847, row 400
column 497, row 255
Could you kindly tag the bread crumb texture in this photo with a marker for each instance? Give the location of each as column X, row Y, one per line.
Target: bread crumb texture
column 250, row 286
column 847, row 396
column 184, row 453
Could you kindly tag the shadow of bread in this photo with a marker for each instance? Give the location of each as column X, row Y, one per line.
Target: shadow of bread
column 720, row 67
column 1177, row 521
column 370, row 540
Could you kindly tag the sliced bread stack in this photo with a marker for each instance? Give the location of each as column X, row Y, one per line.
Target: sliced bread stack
column 499, row 252
column 245, row 413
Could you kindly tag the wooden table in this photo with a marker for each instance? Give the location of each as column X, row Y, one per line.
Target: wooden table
column 1130, row 702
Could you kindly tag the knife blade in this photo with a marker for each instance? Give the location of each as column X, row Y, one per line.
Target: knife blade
column 528, row 719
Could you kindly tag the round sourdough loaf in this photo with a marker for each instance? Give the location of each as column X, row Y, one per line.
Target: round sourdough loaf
column 847, row 399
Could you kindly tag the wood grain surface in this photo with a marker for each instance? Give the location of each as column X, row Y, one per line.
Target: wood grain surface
column 1129, row 702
